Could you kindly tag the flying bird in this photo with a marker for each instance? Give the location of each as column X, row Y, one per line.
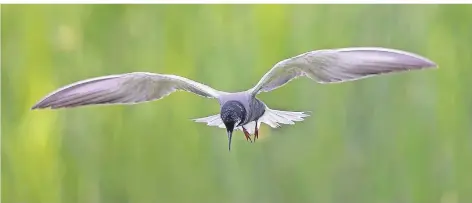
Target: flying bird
column 240, row 110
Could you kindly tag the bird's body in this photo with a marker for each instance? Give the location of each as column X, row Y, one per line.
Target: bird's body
column 240, row 110
column 254, row 107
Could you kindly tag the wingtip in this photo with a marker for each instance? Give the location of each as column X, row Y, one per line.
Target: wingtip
column 408, row 57
column 39, row 106
column 418, row 61
column 430, row 64
column 34, row 107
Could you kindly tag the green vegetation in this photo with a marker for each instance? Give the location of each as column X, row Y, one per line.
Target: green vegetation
column 398, row 138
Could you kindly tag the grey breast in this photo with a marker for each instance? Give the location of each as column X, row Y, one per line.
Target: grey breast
column 257, row 110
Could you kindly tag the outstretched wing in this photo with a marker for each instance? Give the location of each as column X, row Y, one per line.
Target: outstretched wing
column 127, row 88
column 340, row 65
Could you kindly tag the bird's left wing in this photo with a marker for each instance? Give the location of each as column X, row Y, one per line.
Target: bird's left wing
column 340, row 65
column 129, row 88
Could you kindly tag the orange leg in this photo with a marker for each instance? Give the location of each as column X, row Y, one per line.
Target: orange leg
column 256, row 133
column 247, row 135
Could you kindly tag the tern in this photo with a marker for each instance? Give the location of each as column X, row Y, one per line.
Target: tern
column 240, row 110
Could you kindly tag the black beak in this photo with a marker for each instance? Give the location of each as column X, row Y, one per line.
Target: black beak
column 230, row 135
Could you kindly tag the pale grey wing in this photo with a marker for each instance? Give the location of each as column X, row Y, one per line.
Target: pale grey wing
column 127, row 88
column 340, row 65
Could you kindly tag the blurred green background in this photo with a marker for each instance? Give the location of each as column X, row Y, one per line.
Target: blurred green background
column 404, row 138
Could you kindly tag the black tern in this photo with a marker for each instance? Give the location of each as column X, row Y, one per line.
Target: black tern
column 240, row 110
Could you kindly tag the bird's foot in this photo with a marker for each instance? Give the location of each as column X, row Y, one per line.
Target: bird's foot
column 256, row 135
column 247, row 135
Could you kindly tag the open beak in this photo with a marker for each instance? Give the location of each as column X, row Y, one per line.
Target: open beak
column 230, row 135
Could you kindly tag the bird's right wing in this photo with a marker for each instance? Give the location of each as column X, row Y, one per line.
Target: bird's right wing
column 340, row 65
column 127, row 88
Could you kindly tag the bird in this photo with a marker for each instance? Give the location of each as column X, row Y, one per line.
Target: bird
column 241, row 110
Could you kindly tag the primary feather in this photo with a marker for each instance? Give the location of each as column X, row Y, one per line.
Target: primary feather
column 126, row 88
column 340, row 65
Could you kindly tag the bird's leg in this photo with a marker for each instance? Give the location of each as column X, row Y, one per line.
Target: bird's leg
column 256, row 133
column 247, row 135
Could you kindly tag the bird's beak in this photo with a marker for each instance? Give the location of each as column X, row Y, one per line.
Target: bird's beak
column 230, row 135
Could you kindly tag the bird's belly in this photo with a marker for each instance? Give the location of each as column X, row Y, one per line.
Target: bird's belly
column 257, row 110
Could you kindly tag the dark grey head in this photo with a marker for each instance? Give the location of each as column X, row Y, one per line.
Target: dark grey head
column 232, row 114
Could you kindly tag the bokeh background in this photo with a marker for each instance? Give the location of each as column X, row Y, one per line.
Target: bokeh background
column 404, row 138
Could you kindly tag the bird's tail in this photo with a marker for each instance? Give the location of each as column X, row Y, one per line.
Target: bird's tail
column 271, row 117
column 214, row 120
column 274, row 118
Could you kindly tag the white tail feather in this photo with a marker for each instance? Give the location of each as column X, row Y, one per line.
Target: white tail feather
column 274, row 118
column 271, row 117
column 214, row 120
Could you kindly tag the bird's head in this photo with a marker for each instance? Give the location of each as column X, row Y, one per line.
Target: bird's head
column 232, row 114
